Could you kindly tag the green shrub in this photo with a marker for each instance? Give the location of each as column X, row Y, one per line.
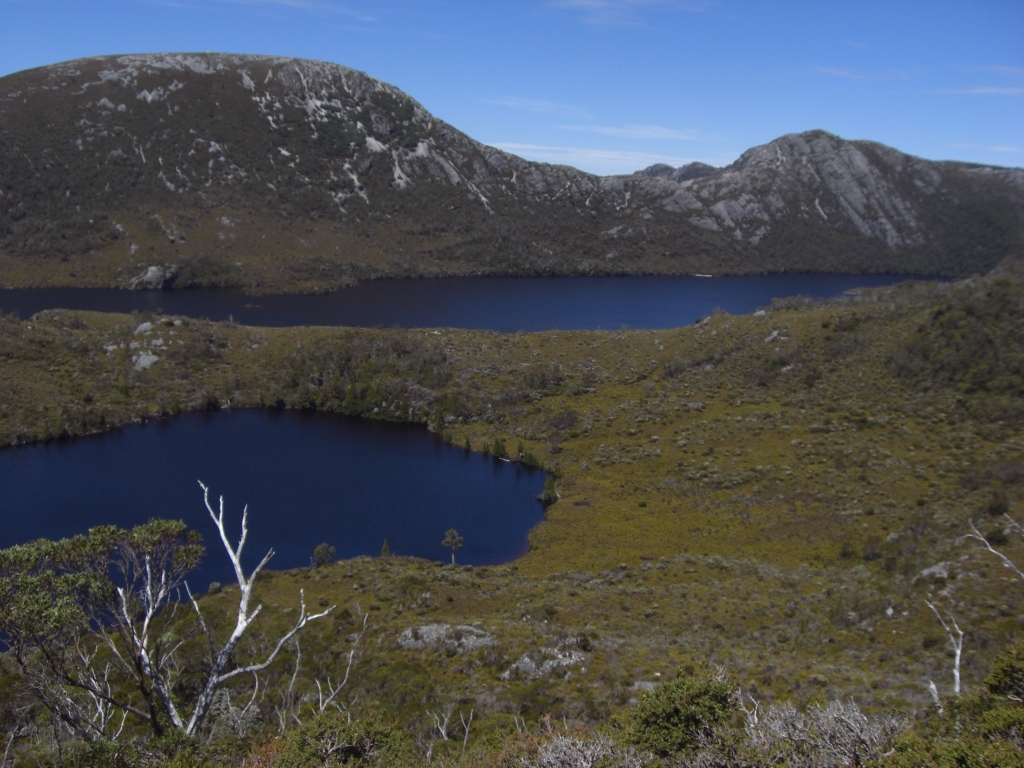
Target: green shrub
column 679, row 715
column 323, row 554
column 965, row 752
column 331, row 740
column 105, row 753
column 1007, row 675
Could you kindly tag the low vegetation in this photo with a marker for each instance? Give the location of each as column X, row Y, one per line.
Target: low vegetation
column 760, row 504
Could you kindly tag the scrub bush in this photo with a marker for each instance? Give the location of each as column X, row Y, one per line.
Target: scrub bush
column 680, row 715
column 331, row 740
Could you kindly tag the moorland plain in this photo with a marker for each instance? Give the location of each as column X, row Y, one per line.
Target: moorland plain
column 777, row 493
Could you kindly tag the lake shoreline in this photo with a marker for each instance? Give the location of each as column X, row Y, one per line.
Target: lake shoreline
column 524, row 304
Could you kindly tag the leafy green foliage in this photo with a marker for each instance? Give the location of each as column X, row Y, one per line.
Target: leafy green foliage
column 1006, row 677
column 52, row 592
column 119, row 754
column 549, row 495
column 452, row 541
column 966, row 752
column 57, row 599
column 679, row 715
column 332, row 740
column 499, row 449
column 975, row 343
column 324, row 553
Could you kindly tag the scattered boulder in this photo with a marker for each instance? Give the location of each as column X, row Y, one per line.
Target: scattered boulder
column 144, row 360
column 936, row 573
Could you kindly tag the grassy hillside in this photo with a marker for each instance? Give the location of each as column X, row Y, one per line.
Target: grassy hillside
column 776, row 493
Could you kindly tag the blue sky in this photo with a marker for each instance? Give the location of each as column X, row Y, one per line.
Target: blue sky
column 611, row 86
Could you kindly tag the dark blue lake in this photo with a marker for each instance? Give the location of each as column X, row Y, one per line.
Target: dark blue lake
column 307, row 478
column 495, row 303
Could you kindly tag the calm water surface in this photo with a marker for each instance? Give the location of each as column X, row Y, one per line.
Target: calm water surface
column 307, row 477
column 495, row 303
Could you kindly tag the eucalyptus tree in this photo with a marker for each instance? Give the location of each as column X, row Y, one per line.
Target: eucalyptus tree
column 452, row 541
column 95, row 624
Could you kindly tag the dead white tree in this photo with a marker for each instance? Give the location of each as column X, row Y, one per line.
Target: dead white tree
column 442, row 717
column 956, row 642
column 287, row 710
column 113, row 646
column 571, row 752
column 835, row 734
column 465, row 727
column 1012, row 527
column 953, row 632
column 221, row 654
column 326, row 698
column 239, row 721
column 750, row 713
column 933, row 691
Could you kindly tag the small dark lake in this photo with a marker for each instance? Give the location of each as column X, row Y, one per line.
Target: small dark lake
column 307, row 478
column 495, row 303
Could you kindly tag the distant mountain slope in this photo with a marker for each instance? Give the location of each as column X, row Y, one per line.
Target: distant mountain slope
column 680, row 174
column 285, row 173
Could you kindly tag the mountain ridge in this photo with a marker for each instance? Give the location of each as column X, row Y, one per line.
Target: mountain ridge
column 276, row 173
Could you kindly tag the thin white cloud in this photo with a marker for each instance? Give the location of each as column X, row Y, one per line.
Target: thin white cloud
column 988, row 147
column 534, row 105
column 624, row 12
column 604, row 162
column 172, row 4
column 1005, row 70
column 316, row 6
column 1011, row 89
column 862, row 74
column 983, row 90
column 634, row 131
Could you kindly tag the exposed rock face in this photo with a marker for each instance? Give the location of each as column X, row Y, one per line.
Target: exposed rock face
column 258, row 170
column 542, row 663
column 154, row 278
column 459, row 639
column 144, row 360
column 770, row 183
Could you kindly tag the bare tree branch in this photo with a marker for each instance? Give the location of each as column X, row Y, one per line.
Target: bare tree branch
column 1007, row 562
column 333, row 691
column 957, row 643
column 222, row 655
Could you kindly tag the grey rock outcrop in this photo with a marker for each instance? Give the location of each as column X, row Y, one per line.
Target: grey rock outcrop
column 459, row 639
column 144, row 360
column 154, row 278
column 542, row 663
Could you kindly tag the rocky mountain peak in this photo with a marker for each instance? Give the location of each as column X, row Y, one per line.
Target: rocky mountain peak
column 267, row 171
column 683, row 173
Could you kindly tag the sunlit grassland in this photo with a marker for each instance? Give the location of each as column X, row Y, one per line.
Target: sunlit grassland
column 765, row 491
